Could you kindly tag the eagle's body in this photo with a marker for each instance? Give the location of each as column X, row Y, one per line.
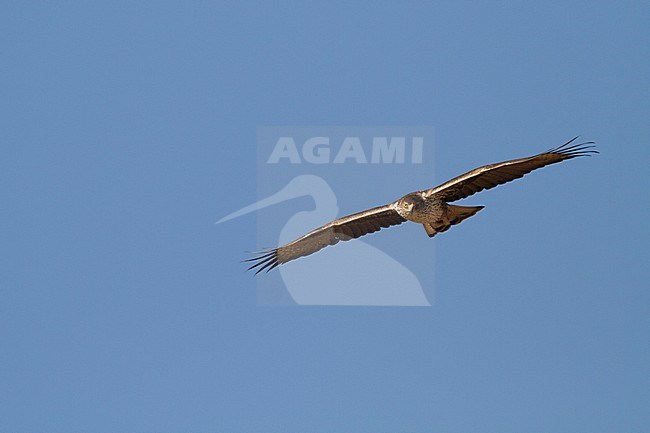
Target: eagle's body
column 433, row 213
column 429, row 207
column 424, row 210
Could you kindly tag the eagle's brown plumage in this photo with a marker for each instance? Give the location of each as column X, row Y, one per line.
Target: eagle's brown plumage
column 428, row 207
column 491, row 175
column 343, row 229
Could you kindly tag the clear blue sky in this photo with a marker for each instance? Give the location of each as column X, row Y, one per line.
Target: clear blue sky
column 128, row 129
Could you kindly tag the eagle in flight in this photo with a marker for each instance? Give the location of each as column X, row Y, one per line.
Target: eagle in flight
column 429, row 207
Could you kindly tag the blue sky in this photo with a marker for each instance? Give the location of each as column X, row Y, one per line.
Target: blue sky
column 130, row 128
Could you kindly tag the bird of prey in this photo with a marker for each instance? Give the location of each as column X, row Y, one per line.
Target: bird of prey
column 429, row 207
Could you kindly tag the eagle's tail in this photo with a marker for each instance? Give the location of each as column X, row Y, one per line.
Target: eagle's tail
column 455, row 215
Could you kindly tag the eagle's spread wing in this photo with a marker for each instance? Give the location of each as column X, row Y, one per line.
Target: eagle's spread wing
column 489, row 176
column 342, row 229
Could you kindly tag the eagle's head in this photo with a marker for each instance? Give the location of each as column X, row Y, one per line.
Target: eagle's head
column 406, row 204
